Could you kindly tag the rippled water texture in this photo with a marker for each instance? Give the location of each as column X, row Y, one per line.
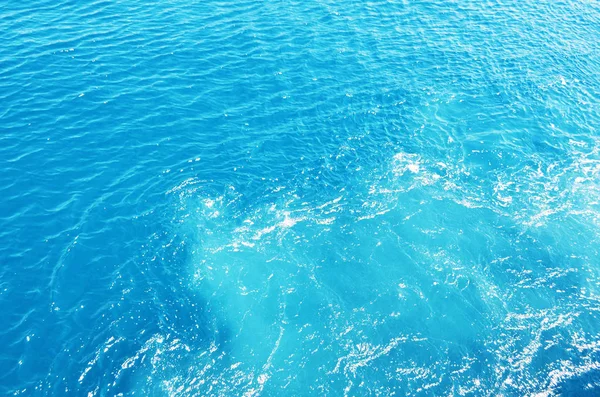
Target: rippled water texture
column 210, row 198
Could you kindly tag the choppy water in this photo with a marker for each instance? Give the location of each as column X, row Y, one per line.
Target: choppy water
column 299, row 198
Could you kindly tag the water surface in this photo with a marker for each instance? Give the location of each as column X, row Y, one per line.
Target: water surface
column 298, row 198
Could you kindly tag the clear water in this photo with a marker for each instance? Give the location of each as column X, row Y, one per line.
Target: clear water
column 210, row 198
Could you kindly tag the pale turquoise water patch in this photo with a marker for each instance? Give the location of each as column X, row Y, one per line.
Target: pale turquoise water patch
column 306, row 198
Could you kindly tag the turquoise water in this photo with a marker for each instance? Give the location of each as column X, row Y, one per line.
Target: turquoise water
column 209, row 198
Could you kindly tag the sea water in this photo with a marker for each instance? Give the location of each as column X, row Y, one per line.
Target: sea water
column 299, row 198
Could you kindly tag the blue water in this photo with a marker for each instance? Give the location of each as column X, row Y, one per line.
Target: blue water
column 306, row 198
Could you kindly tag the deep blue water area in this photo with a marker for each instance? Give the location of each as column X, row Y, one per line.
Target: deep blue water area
column 299, row 198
